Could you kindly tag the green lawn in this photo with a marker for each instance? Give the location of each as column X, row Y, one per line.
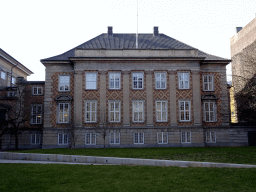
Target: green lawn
column 59, row 177
column 240, row 155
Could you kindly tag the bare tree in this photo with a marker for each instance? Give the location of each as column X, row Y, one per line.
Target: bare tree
column 103, row 129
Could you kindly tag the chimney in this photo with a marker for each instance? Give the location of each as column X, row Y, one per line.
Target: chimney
column 238, row 29
column 110, row 31
column 155, row 32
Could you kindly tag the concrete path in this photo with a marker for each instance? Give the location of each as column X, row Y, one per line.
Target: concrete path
column 87, row 160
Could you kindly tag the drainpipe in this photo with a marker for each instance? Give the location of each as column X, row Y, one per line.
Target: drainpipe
column 11, row 74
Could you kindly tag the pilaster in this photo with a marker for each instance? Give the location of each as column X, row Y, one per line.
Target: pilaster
column 196, row 97
column 126, row 98
column 103, row 92
column 78, row 91
column 149, row 102
column 172, row 90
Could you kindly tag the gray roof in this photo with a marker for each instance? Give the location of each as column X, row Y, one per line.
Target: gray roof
column 128, row 41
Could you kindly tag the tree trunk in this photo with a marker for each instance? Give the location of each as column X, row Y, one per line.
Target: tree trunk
column 16, row 140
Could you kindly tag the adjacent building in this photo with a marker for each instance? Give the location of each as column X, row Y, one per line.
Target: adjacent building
column 117, row 90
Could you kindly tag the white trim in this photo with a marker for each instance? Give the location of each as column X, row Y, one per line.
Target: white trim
column 116, row 112
column 62, row 136
column 162, row 140
column 93, row 82
column 140, row 113
column 161, row 111
column 115, row 139
column 63, row 84
column 209, row 111
column 186, row 138
column 115, row 80
column 34, row 138
column 160, row 82
column 137, row 80
column 185, row 111
column 3, row 75
column 182, row 81
column 91, row 112
column 210, row 137
column 210, row 87
column 63, row 113
column 38, row 116
column 140, row 138
column 90, row 138
column 37, row 90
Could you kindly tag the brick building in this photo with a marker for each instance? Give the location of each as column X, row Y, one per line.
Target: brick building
column 154, row 92
column 21, row 103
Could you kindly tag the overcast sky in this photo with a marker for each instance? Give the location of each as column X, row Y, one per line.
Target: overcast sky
column 33, row 30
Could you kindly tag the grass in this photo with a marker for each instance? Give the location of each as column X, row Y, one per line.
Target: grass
column 240, row 155
column 59, row 177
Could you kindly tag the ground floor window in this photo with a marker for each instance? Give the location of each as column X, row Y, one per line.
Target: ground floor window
column 162, row 137
column 35, row 139
column 138, row 138
column 62, row 139
column 90, row 139
column 185, row 137
column 114, row 138
column 210, row 137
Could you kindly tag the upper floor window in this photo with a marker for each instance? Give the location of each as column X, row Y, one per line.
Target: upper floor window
column 90, row 111
column 37, row 90
column 63, row 116
column 3, row 75
column 138, row 111
column 183, row 80
column 11, row 93
column 36, row 114
column 137, row 80
column 64, row 83
column 208, row 82
column 184, row 110
column 114, row 81
column 160, row 80
column 114, row 111
column 91, row 80
column 13, row 80
column 209, row 111
column 161, row 111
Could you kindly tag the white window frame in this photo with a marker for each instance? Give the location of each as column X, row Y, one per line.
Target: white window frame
column 160, row 137
column 185, row 111
column 35, row 90
column 12, row 94
column 35, row 139
column 116, row 79
column 139, row 138
column 90, row 112
column 137, row 111
column 186, row 138
column 137, row 81
column 37, row 114
column 207, row 83
column 92, row 139
column 91, row 83
column 210, row 113
column 63, row 113
column 114, row 138
column 116, row 112
column 160, row 81
column 210, row 137
column 65, row 83
column 3, row 75
column 183, row 82
column 64, row 141
column 13, row 80
column 161, row 111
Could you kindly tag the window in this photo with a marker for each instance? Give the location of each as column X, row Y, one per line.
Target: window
column 11, row 94
column 62, row 139
column 114, row 138
column 160, row 80
column 138, row 111
column 3, row 75
column 90, row 139
column 114, row 111
column 37, row 90
column 137, row 80
column 90, row 111
column 208, row 82
column 183, row 80
column 64, row 83
column 114, row 81
column 161, row 111
column 13, row 80
column 36, row 114
column 184, row 110
column 138, row 138
column 185, row 137
column 209, row 111
column 90, row 80
column 162, row 137
column 63, row 113
column 35, row 139
column 210, row 137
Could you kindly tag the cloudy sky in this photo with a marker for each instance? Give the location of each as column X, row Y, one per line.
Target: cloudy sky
column 33, row 30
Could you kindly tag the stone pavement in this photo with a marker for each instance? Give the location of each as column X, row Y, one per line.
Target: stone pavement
column 87, row 160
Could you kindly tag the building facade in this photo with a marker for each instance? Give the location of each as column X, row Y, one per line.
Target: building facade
column 110, row 92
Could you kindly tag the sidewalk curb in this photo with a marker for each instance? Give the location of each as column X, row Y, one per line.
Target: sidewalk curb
column 115, row 160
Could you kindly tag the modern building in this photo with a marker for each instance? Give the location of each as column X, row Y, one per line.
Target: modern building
column 117, row 90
